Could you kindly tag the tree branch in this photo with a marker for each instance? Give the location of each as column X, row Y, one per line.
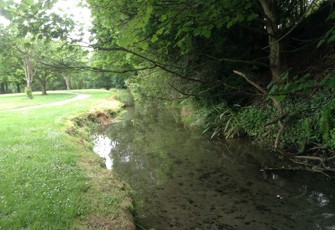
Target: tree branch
column 157, row 64
column 238, row 61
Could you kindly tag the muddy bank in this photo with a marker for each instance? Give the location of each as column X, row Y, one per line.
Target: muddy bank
column 109, row 197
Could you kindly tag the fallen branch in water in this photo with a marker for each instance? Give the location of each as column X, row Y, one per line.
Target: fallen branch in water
column 314, row 170
column 321, row 167
column 314, row 158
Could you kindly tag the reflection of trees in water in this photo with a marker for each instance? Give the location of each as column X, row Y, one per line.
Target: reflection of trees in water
column 143, row 144
column 153, row 152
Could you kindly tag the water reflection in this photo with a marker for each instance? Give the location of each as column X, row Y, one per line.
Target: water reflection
column 184, row 181
column 103, row 146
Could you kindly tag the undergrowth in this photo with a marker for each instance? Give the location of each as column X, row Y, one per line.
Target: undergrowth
column 310, row 121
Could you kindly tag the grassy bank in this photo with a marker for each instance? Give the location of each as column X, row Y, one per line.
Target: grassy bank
column 50, row 180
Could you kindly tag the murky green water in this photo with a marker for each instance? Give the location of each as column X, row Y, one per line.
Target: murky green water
column 183, row 181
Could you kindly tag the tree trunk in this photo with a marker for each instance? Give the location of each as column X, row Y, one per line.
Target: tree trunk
column 271, row 22
column 43, row 87
column 6, row 87
column 18, row 88
column 42, row 80
column 2, row 88
column 67, row 82
column 27, row 71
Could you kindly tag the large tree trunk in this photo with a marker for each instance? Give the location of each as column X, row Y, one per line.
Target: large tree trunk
column 67, row 82
column 43, row 87
column 270, row 9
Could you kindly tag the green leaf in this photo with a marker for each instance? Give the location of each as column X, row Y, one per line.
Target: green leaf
column 28, row 2
column 163, row 17
column 280, row 98
column 160, row 31
column 27, row 45
column 154, row 38
column 331, row 83
column 273, row 89
column 128, row 56
column 331, row 38
column 143, row 46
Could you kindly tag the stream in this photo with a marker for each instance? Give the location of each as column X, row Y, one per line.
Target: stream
column 182, row 180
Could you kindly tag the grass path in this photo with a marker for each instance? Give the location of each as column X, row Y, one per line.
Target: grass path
column 48, row 179
column 19, row 100
column 78, row 96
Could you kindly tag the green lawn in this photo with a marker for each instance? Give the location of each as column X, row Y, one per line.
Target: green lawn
column 48, row 179
column 11, row 101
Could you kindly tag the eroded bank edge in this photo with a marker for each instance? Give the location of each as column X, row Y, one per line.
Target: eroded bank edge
column 108, row 194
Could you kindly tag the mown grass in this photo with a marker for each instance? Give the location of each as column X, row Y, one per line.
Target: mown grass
column 11, row 101
column 48, row 179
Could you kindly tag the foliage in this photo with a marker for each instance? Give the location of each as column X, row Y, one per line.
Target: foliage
column 36, row 19
column 329, row 36
column 327, row 124
column 40, row 40
column 310, row 121
column 222, row 120
column 252, row 119
column 124, row 96
column 107, row 81
column 151, row 86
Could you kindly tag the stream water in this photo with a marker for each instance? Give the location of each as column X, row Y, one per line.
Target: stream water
column 181, row 180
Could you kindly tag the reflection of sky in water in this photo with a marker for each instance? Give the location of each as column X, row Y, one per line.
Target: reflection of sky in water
column 103, row 146
column 313, row 197
column 321, row 199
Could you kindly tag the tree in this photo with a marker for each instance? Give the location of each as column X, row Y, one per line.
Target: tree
column 202, row 43
column 11, row 74
column 32, row 24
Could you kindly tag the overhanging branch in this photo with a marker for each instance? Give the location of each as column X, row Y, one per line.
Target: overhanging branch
column 157, row 64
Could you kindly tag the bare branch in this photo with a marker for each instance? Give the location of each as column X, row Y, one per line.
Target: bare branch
column 238, row 61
